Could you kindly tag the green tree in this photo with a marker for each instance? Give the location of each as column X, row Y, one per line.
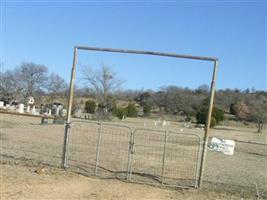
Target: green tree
column 216, row 117
column 114, row 110
column 147, row 109
column 90, row 106
column 131, row 110
column 121, row 113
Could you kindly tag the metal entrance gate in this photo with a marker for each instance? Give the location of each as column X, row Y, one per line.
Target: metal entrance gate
column 141, row 155
column 165, row 157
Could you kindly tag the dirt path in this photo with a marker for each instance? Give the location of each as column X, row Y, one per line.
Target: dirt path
column 20, row 182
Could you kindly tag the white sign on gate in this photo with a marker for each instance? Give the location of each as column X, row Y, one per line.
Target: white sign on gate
column 221, row 145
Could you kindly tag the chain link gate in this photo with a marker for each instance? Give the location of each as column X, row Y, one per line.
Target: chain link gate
column 158, row 157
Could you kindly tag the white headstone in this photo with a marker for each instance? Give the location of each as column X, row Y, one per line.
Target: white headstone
column 1, row 104
column 21, row 108
column 49, row 111
column 57, row 111
column 30, row 100
column 33, row 109
column 63, row 112
column 28, row 109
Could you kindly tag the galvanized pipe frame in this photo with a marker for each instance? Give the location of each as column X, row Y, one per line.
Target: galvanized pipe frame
column 211, row 97
column 130, row 137
column 165, row 134
column 102, row 125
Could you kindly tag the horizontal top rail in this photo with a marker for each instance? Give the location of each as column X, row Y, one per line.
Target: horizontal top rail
column 101, row 123
column 155, row 53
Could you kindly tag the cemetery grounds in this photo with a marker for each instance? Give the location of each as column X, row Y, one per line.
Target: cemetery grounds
column 31, row 156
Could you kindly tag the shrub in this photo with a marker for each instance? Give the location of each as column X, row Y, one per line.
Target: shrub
column 201, row 115
column 121, row 112
column 146, row 109
column 217, row 115
column 213, row 122
column 131, row 110
column 114, row 110
column 90, row 106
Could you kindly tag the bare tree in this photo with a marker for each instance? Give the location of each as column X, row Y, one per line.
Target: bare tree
column 9, row 90
column 104, row 82
column 31, row 78
column 259, row 112
column 56, row 86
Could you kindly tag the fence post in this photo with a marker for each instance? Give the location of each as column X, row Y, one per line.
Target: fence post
column 207, row 127
column 131, row 160
column 163, row 158
column 68, row 121
column 129, row 156
column 198, row 161
column 98, row 148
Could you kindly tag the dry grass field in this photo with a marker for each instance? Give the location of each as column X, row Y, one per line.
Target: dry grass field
column 26, row 146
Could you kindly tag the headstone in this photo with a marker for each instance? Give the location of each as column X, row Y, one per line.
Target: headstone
column 30, row 100
column 21, row 108
column 57, row 111
column 28, row 109
column 1, row 104
column 33, row 109
column 164, row 123
column 78, row 113
column 63, row 112
column 49, row 112
column 44, row 120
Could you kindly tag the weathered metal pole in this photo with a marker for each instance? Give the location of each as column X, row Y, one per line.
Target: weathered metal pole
column 209, row 114
column 154, row 53
column 70, row 98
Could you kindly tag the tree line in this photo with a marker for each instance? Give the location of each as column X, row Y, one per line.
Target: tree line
column 104, row 86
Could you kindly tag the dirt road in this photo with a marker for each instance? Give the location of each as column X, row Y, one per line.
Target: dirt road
column 21, row 182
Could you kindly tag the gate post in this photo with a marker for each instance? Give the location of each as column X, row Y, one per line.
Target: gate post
column 207, row 126
column 67, row 126
column 163, row 158
column 98, row 147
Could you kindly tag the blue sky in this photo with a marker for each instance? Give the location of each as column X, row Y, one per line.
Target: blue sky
column 235, row 32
